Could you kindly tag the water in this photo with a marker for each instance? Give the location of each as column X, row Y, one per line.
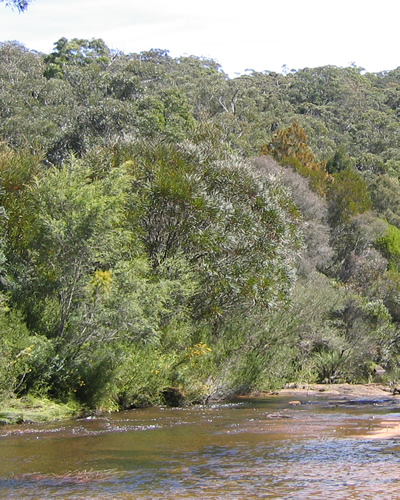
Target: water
column 262, row 448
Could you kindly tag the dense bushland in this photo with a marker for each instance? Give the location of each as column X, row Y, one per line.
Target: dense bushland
column 170, row 235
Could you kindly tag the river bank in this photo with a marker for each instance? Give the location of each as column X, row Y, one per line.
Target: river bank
column 30, row 409
column 374, row 393
column 341, row 390
column 39, row 410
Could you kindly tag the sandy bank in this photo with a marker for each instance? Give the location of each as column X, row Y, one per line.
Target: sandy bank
column 341, row 390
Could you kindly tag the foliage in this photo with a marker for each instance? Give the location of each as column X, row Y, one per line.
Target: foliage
column 147, row 258
column 389, row 244
column 20, row 5
column 232, row 226
column 317, row 252
column 385, row 195
column 289, row 147
column 77, row 52
column 338, row 162
column 23, row 355
column 348, row 196
column 332, row 105
column 29, row 409
column 291, row 142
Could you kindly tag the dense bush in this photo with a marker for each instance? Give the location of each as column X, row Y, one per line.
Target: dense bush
column 148, row 257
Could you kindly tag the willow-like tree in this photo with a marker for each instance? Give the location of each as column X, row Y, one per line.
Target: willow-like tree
column 238, row 231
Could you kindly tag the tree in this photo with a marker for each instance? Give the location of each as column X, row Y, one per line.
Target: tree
column 291, row 142
column 72, row 226
column 338, row 162
column 385, row 194
column 25, row 91
column 237, row 230
column 79, row 52
column 356, row 260
column 313, row 211
column 389, row 245
column 348, row 195
column 20, row 5
column 79, row 275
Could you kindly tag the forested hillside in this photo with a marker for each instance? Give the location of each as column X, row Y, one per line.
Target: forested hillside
column 171, row 235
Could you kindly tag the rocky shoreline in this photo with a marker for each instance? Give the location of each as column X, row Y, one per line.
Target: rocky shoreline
column 341, row 390
column 385, row 428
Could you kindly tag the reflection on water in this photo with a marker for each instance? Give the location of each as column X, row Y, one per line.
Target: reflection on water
column 253, row 449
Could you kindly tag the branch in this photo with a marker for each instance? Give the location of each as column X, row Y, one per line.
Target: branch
column 20, row 5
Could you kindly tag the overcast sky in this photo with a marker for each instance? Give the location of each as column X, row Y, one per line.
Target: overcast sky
column 250, row 34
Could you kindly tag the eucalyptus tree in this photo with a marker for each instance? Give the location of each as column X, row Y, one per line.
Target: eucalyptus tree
column 76, row 52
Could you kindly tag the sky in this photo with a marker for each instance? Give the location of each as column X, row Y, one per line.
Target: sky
column 259, row 35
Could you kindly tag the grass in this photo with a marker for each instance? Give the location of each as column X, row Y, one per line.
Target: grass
column 31, row 409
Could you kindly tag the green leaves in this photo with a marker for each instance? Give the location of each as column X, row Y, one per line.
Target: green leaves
column 72, row 227
column 238, row 232
column 136, row 230
column 348, row 196
column 389, row 244
column 78, row 52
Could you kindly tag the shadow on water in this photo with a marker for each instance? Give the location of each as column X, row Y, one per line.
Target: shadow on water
column 251, row 448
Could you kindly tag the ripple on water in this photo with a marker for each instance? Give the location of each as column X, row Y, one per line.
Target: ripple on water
column 219, row 451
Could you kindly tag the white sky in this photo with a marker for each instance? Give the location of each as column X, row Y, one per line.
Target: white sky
column 239, row 34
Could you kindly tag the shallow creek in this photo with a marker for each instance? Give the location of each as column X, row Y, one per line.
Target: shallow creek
column 252, row 448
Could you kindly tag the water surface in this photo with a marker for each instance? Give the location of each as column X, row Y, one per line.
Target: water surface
column 263, row 448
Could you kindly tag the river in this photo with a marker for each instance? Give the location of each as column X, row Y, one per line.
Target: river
column 252, row 448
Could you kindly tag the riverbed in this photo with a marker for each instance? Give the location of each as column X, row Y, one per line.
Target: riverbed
column 274, row 446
